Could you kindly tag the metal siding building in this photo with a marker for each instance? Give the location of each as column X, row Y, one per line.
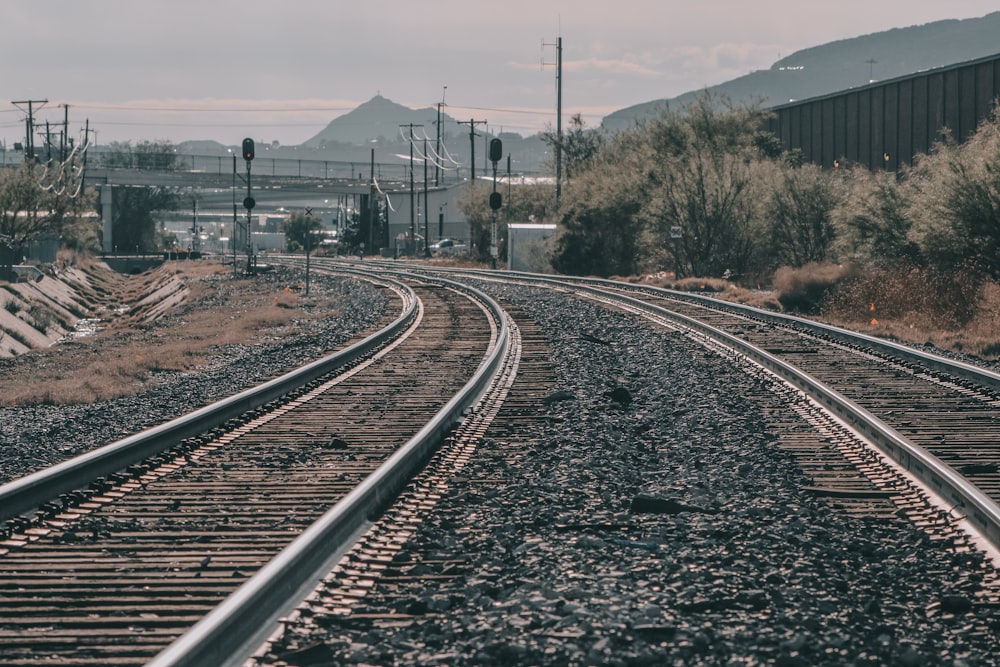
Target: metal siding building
column 886, row 124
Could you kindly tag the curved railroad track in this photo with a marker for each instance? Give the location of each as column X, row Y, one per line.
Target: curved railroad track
column 880, row 434
column 833, row 437
column 113, row 572
column 936, row 417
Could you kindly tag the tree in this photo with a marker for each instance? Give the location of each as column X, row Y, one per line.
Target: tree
column 873, row 215
column 133, row 222
column 601, row 226
column 160, row 155
column 799, row 215
column 301, row 231
column 579, row 145
column 956, row 203
column 701, row 178
column 24, row 206
column 29, row 211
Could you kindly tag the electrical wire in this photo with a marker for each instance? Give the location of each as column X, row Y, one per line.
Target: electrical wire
column 437, row 158
column 388, row 202
column 436, row 161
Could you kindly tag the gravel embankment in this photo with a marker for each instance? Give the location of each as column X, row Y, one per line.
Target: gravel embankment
column 558, row 571
column 32, row 438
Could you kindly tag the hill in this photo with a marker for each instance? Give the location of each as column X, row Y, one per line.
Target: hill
column 380, row 124
column 843, row 64
column 380, row 119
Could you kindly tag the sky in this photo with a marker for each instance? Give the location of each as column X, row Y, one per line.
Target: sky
column 281, row 70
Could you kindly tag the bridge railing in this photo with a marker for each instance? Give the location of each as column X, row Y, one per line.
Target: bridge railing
column 222, row 165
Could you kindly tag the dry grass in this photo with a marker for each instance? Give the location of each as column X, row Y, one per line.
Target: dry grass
column 124, row 358
column 920, row 307
column 954, row 314
column 714, row 287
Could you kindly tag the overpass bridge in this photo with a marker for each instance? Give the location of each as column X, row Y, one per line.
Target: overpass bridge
column 210, row 186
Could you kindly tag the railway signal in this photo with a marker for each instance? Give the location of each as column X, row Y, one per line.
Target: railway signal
column 496, row 150
column 496, row 200
column 248, row 203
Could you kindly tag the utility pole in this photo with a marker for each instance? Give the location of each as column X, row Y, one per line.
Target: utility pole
column 372, row 217
column 65, row 134
column 427, row 249
column 235, row 223
column 871, row 69
column 472, row 141
column 86, row 145
column 194, row 224
column 508, row 187
column 413, row 203
column 559, row 136
column 437, row 167
column 29, row 146
column 309, row 232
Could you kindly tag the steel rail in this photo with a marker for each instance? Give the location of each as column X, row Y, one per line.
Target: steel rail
column 941, row 478
column 957, row 368
column 981, row 511
column 230, row 633
column 31, row 491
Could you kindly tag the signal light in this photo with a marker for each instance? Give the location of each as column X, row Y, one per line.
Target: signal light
column 248, row 149
column 496, row 150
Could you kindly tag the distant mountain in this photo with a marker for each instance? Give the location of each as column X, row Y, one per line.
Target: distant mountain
column 376, row 124
column 201, row 147
column 379, row 119
column 844, row 64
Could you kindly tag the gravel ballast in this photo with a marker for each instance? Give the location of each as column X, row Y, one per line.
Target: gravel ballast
column 727, row 563
column 722, row 560
column 34, row 437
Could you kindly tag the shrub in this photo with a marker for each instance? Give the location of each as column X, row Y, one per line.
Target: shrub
column 41, row 316
column 924, row 298
column 805, row 289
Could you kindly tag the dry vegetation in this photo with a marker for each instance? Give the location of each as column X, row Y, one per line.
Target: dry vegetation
column 956, row 313
column 918, row 306
column 124, row 357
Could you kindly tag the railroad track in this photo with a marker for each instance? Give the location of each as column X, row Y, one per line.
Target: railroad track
column 929, row 404
column 381, row 592
column 113, row 572
column 840, row 405
column 384, row 557
column 936, row 417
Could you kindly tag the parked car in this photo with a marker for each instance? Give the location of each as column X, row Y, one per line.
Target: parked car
column 446, row 247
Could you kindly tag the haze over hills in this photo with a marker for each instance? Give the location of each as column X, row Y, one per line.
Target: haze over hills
column 844, row 64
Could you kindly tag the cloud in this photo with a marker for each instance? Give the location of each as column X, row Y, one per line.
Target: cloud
column 611, row 66
column 717, row 63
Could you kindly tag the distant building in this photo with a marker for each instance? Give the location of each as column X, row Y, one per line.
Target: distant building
column 885, row 124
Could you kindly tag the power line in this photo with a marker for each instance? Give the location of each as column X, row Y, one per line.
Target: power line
column 212, row 109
